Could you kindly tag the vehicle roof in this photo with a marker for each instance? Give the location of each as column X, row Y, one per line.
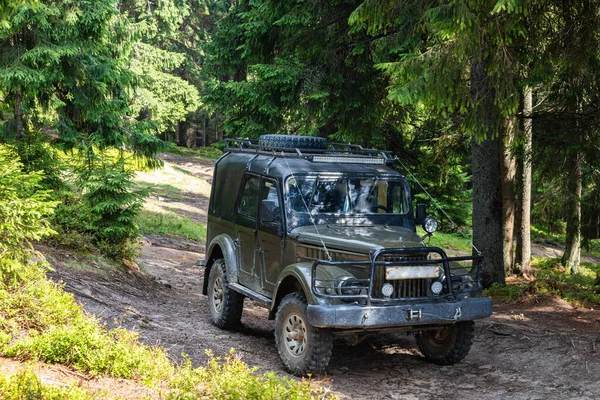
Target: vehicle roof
column 280, row 167
column 226, row 186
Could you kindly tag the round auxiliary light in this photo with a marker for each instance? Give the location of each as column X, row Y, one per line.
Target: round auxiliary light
column 387, row 289
column 430, row 225
column 437, row 287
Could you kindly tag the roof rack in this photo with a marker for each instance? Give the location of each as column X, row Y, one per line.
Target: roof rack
column 333, row 153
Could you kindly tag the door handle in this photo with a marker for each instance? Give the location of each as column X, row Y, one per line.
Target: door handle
column 260, row 250
column 236, row 242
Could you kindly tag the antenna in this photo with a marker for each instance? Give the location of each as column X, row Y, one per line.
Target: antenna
column 454, row 224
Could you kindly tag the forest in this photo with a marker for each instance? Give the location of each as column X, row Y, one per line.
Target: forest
column 491, row 104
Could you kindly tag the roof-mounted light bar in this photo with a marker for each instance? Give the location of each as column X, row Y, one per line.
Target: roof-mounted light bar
column 348, row 159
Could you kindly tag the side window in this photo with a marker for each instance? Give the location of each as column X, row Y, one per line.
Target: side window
column 269, row 192
column 270, row 207
column 249, row 201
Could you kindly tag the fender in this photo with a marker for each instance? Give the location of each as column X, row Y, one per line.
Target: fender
column 225, row 245
column 301, row 273
column 286, row 284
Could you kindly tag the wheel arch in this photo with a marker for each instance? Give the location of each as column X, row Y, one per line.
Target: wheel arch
column 294, row 278
column 221, row 246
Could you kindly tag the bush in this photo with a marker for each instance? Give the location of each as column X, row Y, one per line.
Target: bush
column 108, row 191
column 38, row 320
column 231, row 378
column 24, row 208
column 26, row 385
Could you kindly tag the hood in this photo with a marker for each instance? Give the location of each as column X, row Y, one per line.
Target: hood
column 363, row 239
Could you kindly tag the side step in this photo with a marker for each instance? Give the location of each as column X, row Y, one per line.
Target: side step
column 264, row 301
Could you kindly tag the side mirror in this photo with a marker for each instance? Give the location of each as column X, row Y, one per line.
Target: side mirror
column 269, row 211
column 421, row 213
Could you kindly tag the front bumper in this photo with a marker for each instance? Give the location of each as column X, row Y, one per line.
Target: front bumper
column 355, row 316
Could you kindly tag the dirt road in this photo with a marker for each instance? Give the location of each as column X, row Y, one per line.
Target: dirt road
column 514, row 356
column 524, row 351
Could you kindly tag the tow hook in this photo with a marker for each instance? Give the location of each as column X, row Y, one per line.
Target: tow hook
column 414, row 314
column 458, row 313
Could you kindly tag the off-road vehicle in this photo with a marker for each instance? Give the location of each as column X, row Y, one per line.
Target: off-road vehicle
column 324, row 236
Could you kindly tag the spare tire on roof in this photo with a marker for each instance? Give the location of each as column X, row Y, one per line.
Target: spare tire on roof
column 292, row 142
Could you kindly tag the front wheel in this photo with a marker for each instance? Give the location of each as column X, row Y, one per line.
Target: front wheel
column 447, row 345
column 303, row 349
column 225, row 304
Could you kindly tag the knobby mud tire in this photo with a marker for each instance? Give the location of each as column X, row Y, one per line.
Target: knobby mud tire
column 292, row 142
column 448, row 345
column 225, row 304
column 317, row 342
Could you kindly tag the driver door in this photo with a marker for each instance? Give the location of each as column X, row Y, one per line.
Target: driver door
column 269, row 242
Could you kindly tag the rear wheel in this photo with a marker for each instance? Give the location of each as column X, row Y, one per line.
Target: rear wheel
column 447, row 345
column 225, row 304
column 303, row 348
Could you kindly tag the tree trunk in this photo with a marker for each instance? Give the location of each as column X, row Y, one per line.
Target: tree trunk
column 19, row 115
column 487, row 194
column 523, row 257
column 508, row 173
column 571, row 256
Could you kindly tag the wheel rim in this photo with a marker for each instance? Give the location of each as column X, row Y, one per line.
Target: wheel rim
column 294, row 335
column 441, row 335
column 439, row 338
column 217, row 295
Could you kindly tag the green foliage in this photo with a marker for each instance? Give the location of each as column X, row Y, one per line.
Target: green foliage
column 26, row 385
column 41, row 321
column 74, row 222
column 541, row 235
column 296, row 67
column 210, row 153
column 580, row 289
column 231, row 378
column 553, row 279
column 457, row 241
column 108, row 189
column 24, row 208
column 507, row 292
column 170, row 224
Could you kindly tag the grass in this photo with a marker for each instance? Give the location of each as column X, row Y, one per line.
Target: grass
column 169, row 188
column 26, row 385
column 170, row 180
column 460, row 242
column 209, row 153
column 539, row 235
column 170, row 224
column 552, row 279
column 41, row 322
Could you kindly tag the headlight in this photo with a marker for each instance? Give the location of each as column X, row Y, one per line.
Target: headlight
column 350, row 286
column 430, row 225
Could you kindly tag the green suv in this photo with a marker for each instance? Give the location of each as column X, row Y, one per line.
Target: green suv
column 324, row 236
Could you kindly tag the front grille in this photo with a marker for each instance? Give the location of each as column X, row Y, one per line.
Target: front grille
column 406, row 288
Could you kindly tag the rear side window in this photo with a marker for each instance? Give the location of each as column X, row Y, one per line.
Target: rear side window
column 248, row 204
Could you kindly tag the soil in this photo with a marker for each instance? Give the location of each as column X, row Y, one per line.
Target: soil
column 539, row 349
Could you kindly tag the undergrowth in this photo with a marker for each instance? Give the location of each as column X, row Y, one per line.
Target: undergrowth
column 39, row 321
column 460, row 241
column 170, row 224
column 26, row 385
column 553, row 279
column 209, row 153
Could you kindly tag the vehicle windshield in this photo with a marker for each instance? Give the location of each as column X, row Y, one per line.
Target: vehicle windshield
column 346, row 196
